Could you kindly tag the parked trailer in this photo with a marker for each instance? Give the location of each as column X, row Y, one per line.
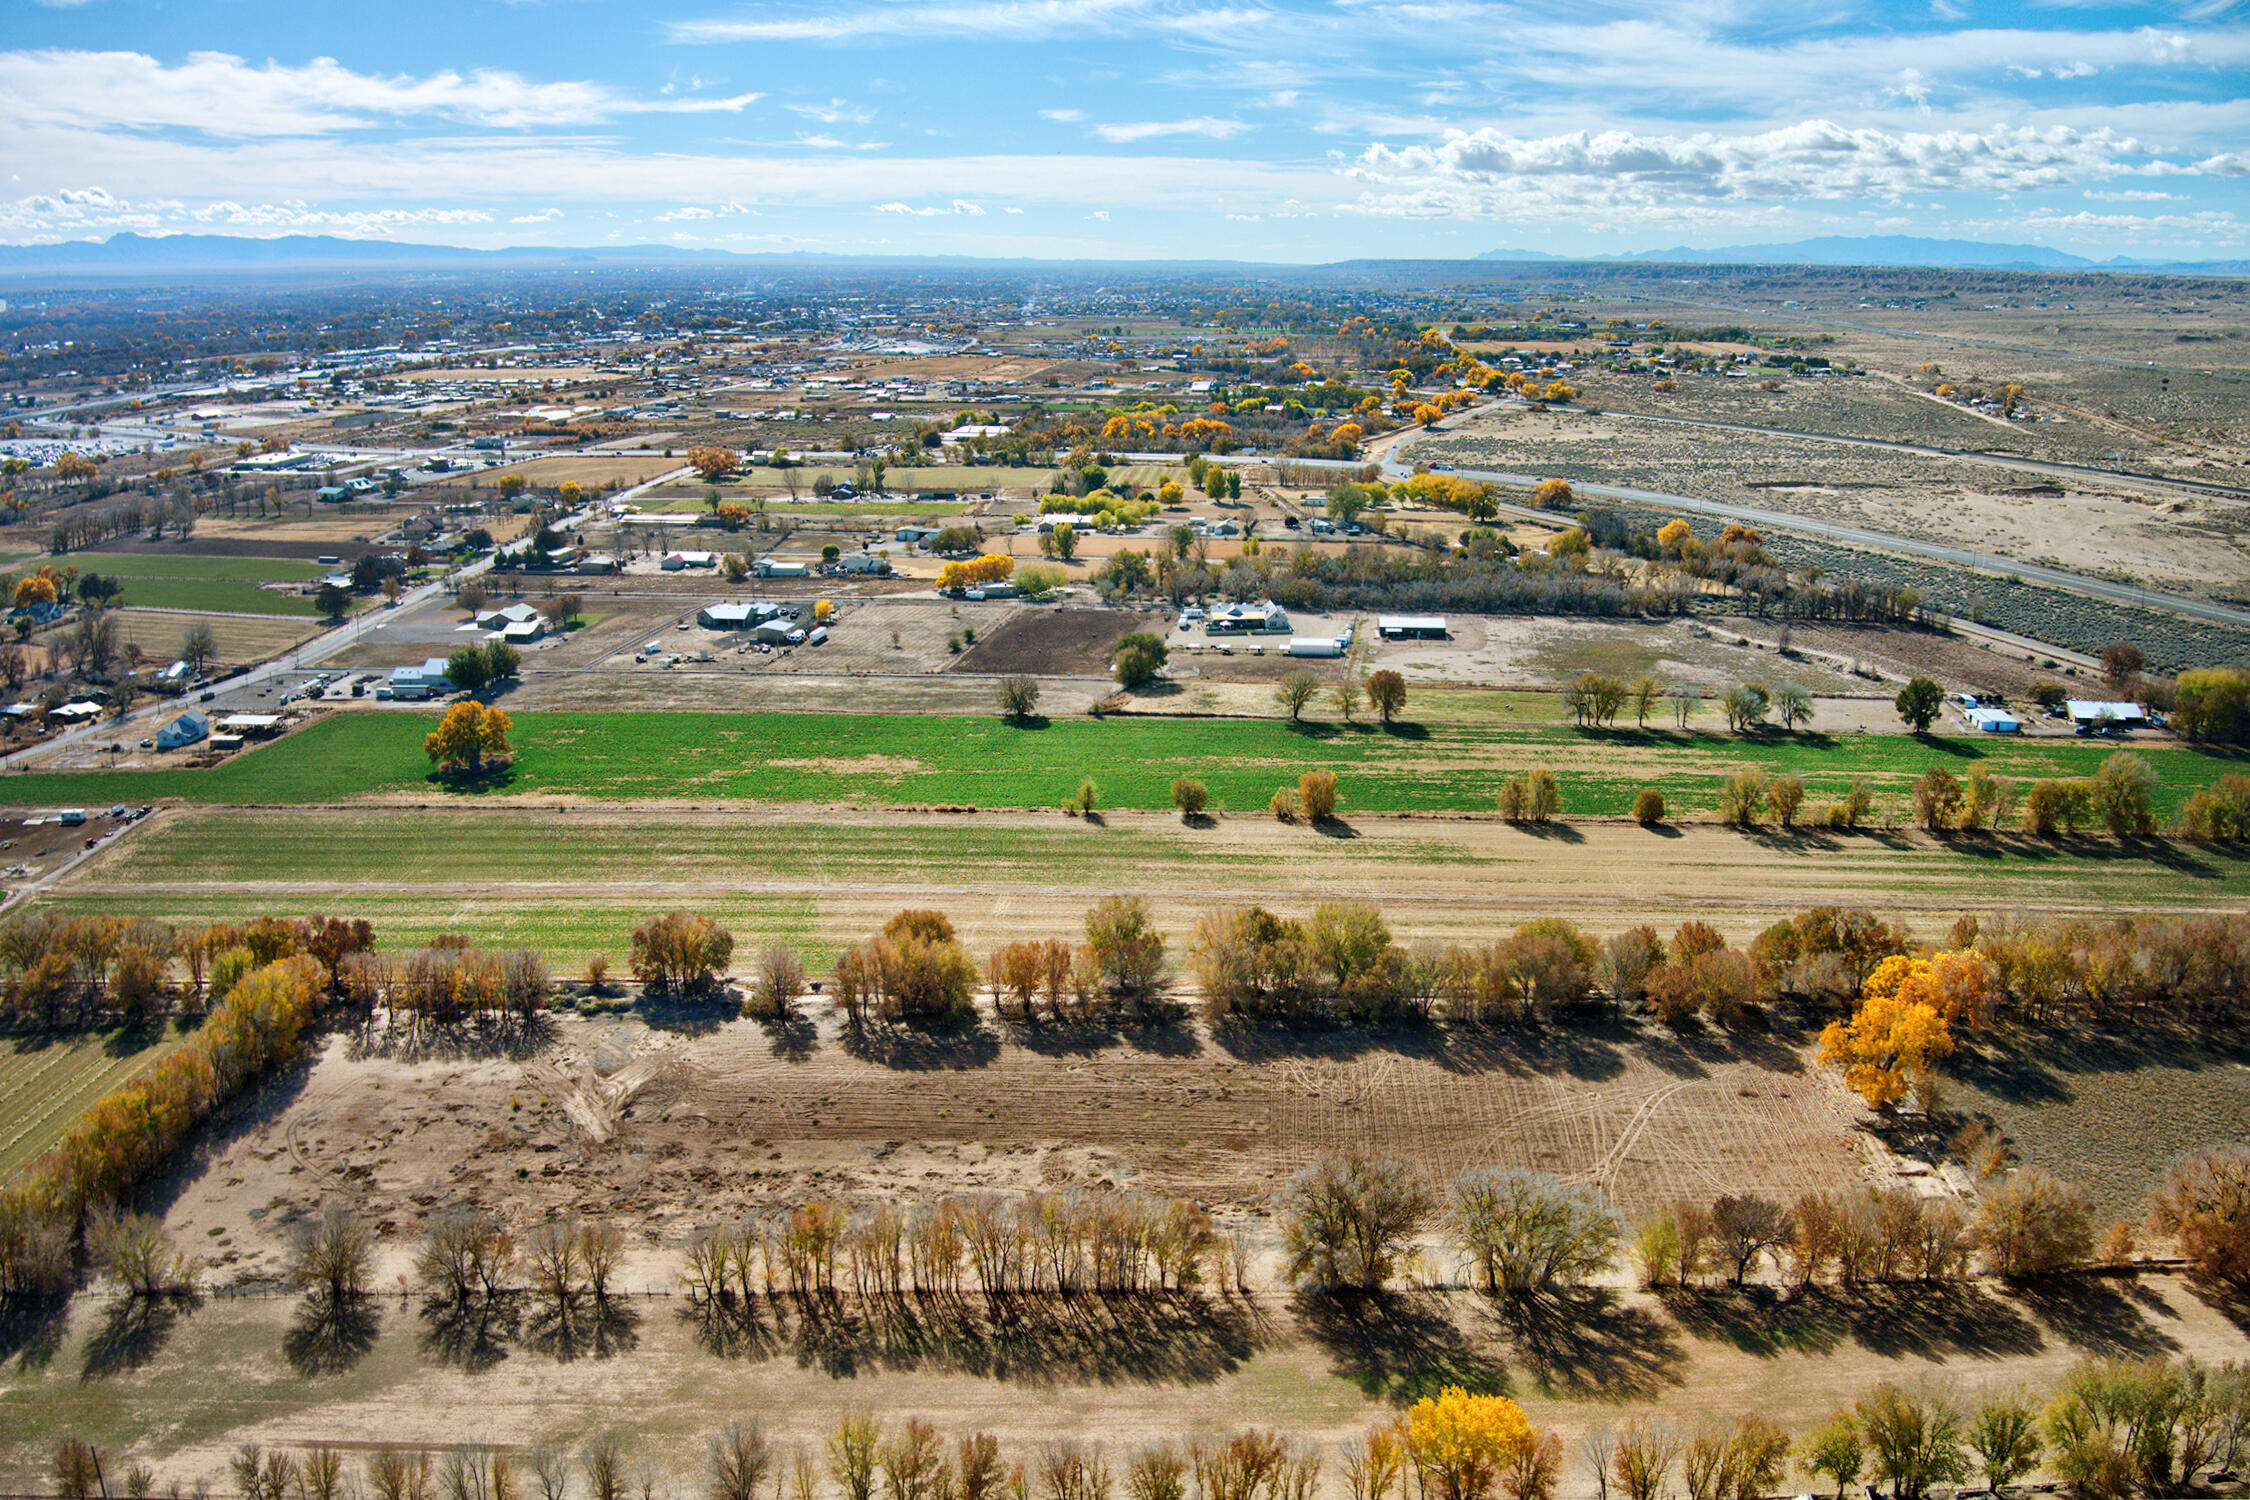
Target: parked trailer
column 1316, row 645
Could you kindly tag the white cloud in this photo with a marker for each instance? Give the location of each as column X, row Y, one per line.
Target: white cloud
column 221, row 95
column 1487, row 172
column 1142, row 130
column 959, row 206
column 542, row 217
column 1063, row 116
column 834, row 112
column 2230, row 164
column 995, row 20
column 43, row 218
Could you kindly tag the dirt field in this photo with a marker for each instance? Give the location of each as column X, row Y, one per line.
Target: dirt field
column 903, row 1117
column 1053, row 642
column 2106, row 527
column 242, row 638
column 666, row 1122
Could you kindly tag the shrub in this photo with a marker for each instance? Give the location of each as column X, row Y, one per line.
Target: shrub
column 1019, row 697
column 1785, row 795
column 1542, row 795
column 1083, row 799
column 1316, row 795
column 1190, row 797
column 1283, row 805
column 1124, row 947
column 1648, row 807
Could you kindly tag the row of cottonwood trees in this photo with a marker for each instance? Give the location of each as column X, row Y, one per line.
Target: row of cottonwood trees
column 2109, row 1429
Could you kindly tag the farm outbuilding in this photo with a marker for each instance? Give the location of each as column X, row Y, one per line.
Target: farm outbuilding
column 2094, row 711
column 1993, row 720
column 1411, row 627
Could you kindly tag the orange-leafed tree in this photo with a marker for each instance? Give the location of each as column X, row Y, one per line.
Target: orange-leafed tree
column 714, row 462
column 468, row 735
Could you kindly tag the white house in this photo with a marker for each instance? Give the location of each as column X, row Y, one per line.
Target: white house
column 1249, row 619
column 514, row 614
column 184, row 730
column 768, row 568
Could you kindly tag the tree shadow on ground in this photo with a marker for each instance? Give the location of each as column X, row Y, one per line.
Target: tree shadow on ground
column 516, row 1039
column 1334, row 828
column 1553, row 833
column 1934, row 1321
column 1052, row 1038
column 1802, row 839
column 1047, row 1339
column 264, row 1105
column 1587, row 1342
column 689, row 1012
column 592, row 1328
column 2035, row 1067
column 1398, row 1347
column 486, row 780
column 2228, row 1301
column 2090, row 1313
column 917, row 1049
column 133, row 1331
column 793, row 1038
column 727, row 1327
column 471, row 1335
column 31, row 1330
column 1589, row 1053
column 329, row 1335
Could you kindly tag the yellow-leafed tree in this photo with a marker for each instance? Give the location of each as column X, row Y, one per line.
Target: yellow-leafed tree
column 1462, row 1444
column 1957, row 985
column 1890, row 1040
column 468, row 734
column 993, row 567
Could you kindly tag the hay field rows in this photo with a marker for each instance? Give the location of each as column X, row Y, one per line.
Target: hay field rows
column 576, row 883
column 48, row 1079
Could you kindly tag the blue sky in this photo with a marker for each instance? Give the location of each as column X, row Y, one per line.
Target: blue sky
column 1286, row 130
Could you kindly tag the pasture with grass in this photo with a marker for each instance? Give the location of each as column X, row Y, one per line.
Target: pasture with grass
column 1457, row 765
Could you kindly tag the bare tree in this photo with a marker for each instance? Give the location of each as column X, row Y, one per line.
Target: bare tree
column 199, row 647
column 740, row 1458
column 333, row 1255
column 780, row 980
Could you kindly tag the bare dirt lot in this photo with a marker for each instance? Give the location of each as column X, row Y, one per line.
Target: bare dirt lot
column 1048, row 642
column 666, row 1120
column 2107, row 527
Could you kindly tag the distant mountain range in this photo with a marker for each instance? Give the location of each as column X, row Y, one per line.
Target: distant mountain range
column 218, row 252
column 1892, row 250
column 138, row 254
